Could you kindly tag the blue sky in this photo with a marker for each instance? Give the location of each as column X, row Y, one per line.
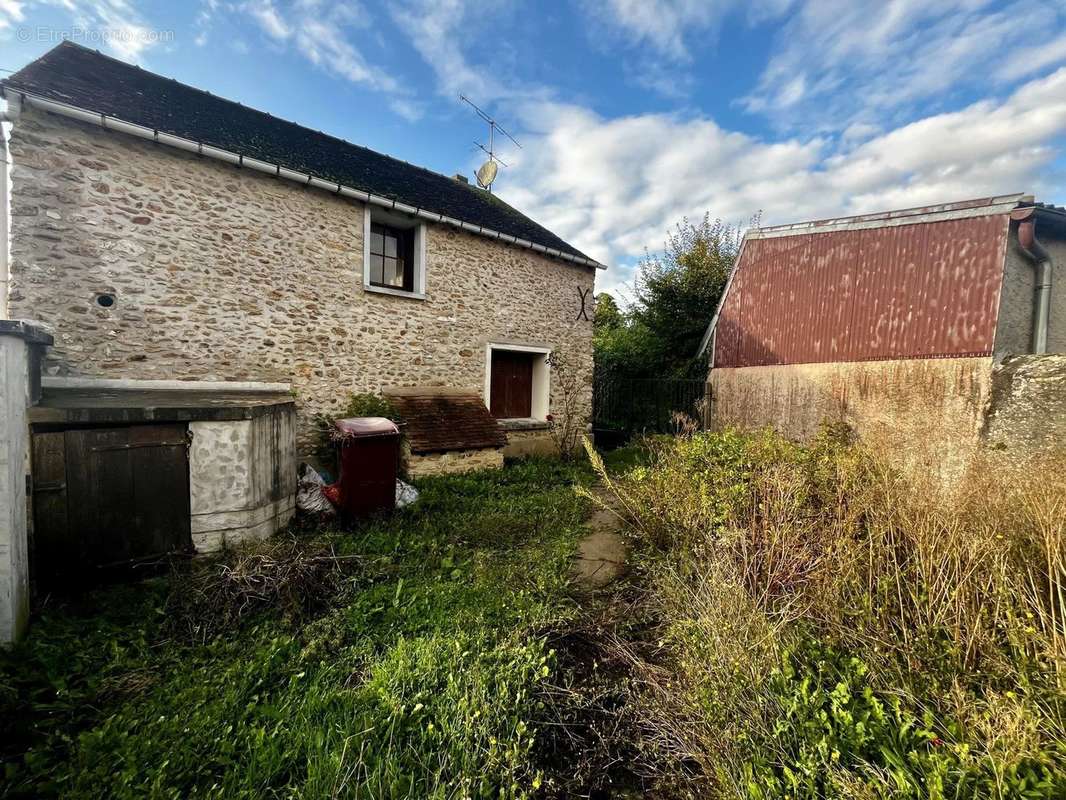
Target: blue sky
column 634, row 113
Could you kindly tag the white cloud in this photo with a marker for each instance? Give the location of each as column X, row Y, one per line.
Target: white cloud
column 321, row 33
column 437, row 29
column 10, row 11
column 268, row 18
column 615, row 186
column 669, row 26
column 1033, row 59
column 204, row 22
column 662, row 24
column 113, row 25
column 839, row 62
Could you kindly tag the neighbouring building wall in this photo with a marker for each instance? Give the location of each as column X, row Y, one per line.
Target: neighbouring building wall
column 929, row 411
column 227, row 274
column 1014, row 328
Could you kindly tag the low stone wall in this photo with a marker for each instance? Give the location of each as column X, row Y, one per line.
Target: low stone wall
column 928, row 412
column 1026, row 414
column 424, row 465
column 242, row 478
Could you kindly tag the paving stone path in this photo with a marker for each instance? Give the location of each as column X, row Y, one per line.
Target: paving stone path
column 601, row 555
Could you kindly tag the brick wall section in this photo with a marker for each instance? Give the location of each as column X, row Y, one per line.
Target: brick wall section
column 227, row 274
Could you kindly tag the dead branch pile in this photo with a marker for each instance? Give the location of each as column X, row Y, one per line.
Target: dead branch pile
column 291, row 576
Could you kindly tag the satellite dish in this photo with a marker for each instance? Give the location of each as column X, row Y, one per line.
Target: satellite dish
column 486, row 174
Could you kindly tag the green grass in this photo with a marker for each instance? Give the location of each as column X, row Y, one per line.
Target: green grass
column 419, row 679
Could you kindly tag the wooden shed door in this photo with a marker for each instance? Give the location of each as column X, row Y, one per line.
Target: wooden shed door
column 105, row 497
column 511, row 387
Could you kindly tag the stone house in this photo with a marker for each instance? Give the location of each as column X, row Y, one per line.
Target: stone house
column 162, row 232
column 930, row 331
column 186, row 282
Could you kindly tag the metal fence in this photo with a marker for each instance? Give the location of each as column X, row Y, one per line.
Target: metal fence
column 645, row 405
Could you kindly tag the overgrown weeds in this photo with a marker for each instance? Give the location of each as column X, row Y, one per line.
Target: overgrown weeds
column 837, row 628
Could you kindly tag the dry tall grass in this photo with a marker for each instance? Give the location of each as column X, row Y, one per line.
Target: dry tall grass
column 952, row 597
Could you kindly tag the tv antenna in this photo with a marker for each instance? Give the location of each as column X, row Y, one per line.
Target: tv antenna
column 486, row 173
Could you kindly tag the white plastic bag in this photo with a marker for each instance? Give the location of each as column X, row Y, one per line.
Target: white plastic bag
column 309, row 496
column 405, row 494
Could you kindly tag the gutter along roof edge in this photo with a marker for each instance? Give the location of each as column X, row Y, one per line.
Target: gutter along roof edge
column 277, row 170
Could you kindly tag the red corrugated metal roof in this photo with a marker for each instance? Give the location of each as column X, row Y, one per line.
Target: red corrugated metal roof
column 924, row 289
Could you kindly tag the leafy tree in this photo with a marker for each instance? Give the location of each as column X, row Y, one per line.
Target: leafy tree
column 608, row 316
column 675, row 295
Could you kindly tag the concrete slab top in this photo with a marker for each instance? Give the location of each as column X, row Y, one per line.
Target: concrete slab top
column 92, row 400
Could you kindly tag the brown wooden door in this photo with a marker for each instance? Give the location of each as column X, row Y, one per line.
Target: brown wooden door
column 511, row 387
column 106, row 497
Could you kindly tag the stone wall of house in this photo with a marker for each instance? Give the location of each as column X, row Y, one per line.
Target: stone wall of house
column 927, row 413
column 219, row 273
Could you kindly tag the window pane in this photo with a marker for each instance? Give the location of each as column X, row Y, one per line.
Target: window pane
column 391, row 269
column 390, row 246
column 375, row 269
column 375, row 243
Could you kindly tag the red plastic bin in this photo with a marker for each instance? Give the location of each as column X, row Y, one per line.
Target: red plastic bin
column 369, row 461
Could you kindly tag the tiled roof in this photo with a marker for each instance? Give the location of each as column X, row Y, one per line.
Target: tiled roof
column 438, row 420
column 83, row 78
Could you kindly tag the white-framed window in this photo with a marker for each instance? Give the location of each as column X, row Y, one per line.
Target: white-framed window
column 394, row 254
column 517, row 381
